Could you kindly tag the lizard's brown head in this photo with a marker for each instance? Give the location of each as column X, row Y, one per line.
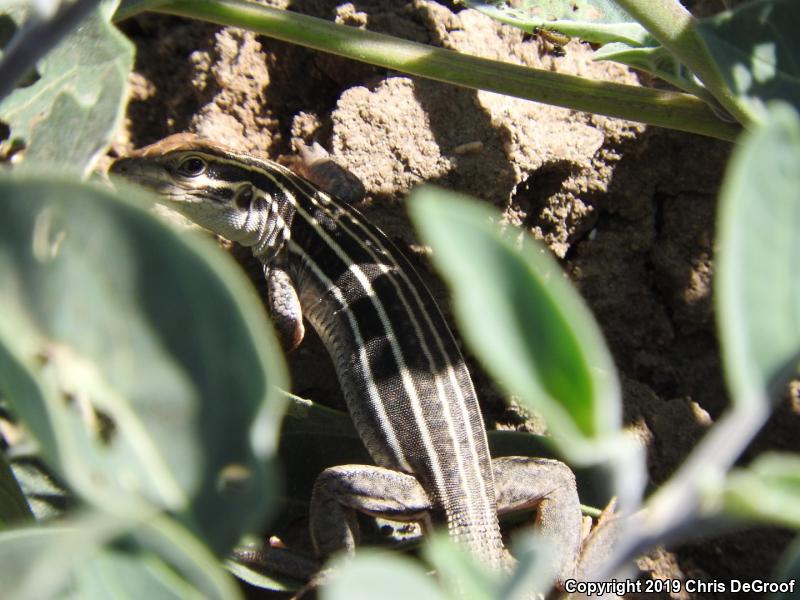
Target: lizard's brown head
column 230, row 193
column 182, row 167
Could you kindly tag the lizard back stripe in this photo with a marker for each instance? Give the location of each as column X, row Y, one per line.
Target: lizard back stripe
column 472, row 471
column 376, row 244
column 359, row 283
column 366, row 377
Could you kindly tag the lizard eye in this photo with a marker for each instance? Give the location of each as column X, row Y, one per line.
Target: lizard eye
column 243, row 197
column 192, row 166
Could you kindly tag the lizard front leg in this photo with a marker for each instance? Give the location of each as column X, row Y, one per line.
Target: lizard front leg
column 341, row 491
column 284, row 305
column 549, row 486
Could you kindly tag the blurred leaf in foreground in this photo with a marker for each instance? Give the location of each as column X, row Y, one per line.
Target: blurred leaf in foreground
column 756, row 48
column 523, row 319
column 67, row 116
column 139, row 358
column 768, row 490
column 458, row 572
column 757, row 288
column 372, row 574
column 788, row 570
column 76, row 559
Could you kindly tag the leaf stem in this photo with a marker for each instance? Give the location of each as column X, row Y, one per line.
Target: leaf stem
column 655, row 107
column 680, row 501
column 676, row 29
column 130, row 8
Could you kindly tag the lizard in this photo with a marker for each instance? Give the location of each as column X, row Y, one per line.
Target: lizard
column 403, row 377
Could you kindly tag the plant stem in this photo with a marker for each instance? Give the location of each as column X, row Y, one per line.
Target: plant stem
column 680, row 501
column 676, row 29
column 665, row 109
column 129, row 8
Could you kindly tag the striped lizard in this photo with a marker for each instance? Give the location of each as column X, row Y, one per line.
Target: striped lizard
column 403, row 377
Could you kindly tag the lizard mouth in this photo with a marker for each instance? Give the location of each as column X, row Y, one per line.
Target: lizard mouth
column 145, row 173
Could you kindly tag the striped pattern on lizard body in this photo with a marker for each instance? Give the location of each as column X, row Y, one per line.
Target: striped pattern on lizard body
column 403, row 377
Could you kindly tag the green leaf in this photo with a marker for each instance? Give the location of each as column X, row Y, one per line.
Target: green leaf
column 757, row 290
column 13, row 506
column 788, row 571
column 756, row 47
column 67, row 118
column 768, row 490
column 534, row 570
column 523, row 319
column 373, row 575
column 458, row 572
column 138, row 357
column 656, row 60
column 36, row 562
column 597, row 21
column 76, row 558
column 165, row 548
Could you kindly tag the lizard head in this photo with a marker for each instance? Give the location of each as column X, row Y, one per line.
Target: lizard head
column 224, row 191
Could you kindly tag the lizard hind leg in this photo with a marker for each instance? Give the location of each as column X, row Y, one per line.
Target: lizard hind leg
column 599, row 543
column 342, row 490
column 549, row 486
